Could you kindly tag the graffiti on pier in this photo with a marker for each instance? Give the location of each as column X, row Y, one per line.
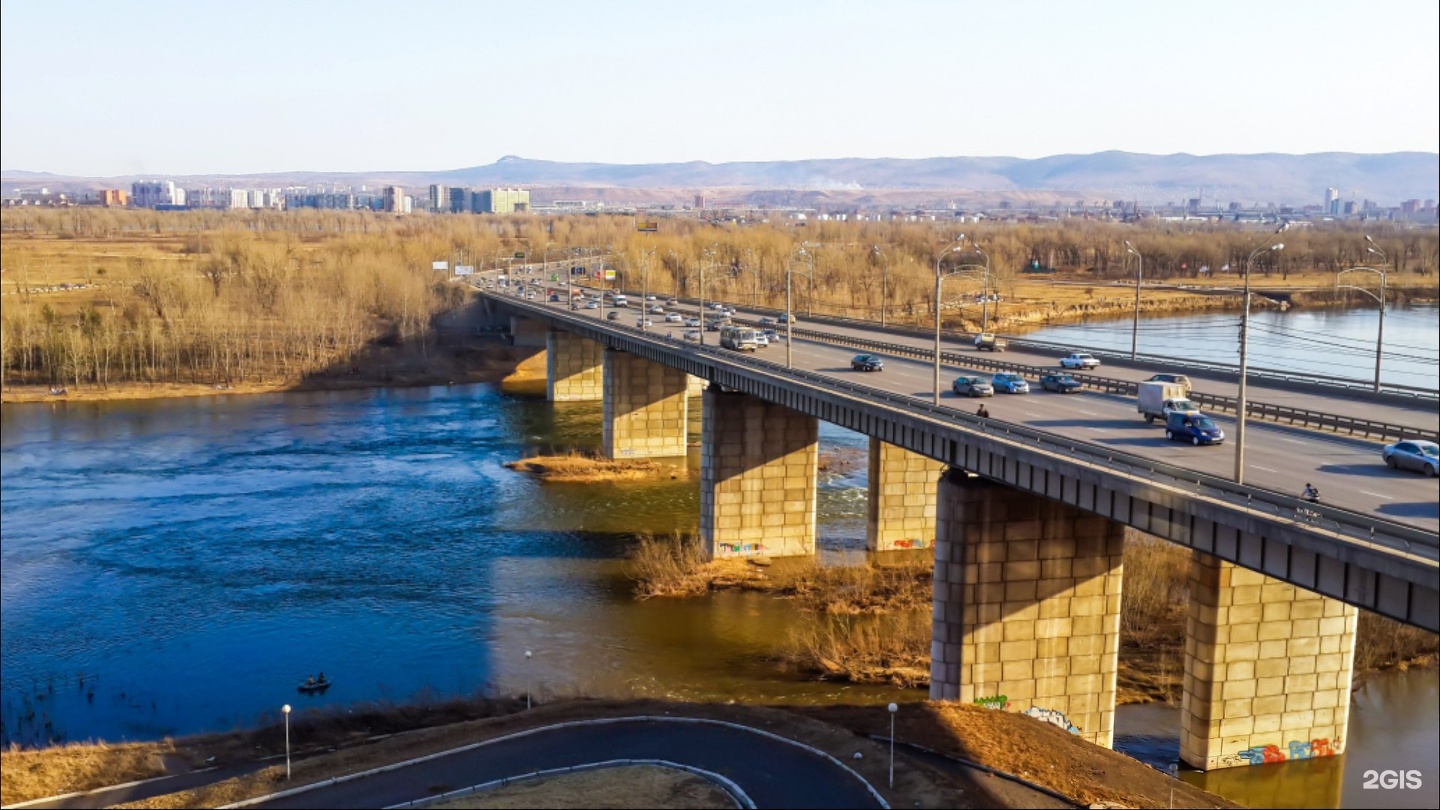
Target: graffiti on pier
column 747, row 549
column 1297, row 749
column 1052, row 717
column 1000, row 702
column 911, row 543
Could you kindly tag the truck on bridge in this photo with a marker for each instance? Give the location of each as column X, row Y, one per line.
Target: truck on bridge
column 988, row 342
column 1157, row 400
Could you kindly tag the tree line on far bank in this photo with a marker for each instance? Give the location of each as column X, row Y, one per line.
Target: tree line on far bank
column 262, row 296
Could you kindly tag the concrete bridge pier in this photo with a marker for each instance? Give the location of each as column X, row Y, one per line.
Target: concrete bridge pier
column 1267, row 669
column 1027, row 605
column 646, row 410
column 901, row 499
column 574, row 368
column 757, row 477
column 528, row 332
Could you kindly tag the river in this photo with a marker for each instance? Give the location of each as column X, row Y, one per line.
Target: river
column 1334, row 342
column 176, row 566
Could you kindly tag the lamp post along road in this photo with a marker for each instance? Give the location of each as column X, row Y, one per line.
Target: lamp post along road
column 985, row 289
column 1240, row 402
column 1380, row 299
column 884, row 280
column 527, row 679
column 285, row 710
column 1139, row 273
column 893, row 708
column 938, row 279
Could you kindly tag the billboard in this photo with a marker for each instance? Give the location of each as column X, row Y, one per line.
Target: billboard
column 608, row 274
column 649, row 226
column 520, row 255
column 439, row 265
column 464, row 270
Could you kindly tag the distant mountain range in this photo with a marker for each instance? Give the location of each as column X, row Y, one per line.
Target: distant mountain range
column 1249, row 179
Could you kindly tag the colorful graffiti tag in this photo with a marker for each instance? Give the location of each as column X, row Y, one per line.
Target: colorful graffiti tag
column 1000, row 702
column 1053, row 717
column 727, row 549
column 1298, row 749
column 911, row 543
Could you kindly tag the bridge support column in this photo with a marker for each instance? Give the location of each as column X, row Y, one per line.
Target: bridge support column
column 757, row 477
column 528, row 332
column 902, row 498
column 1267, row 669
column 646, row 412
column 697, row 386
column 1027, row 605
column 574, row 368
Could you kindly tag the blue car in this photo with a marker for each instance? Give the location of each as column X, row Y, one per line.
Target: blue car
column 1008, row 383
column 1193, row 427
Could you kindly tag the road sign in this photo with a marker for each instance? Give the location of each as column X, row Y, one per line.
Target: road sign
column 439, row 265
column 520, row 255
column 554, row 277
column 464, row 270
column 650, row 226
column 609, row 274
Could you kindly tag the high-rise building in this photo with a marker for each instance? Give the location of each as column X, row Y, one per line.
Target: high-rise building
column 439, row 199
column 150, row 193
column 1332, row 201
column 460, row 201
column 503, row 201
column 394, row 199
column 113, row 196
column 700, row 202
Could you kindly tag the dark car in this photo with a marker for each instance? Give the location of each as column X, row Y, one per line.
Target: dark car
column 1193, row 427
column 1062, row 383
column 968, row 386
column 1413, row 454
column 867, row 362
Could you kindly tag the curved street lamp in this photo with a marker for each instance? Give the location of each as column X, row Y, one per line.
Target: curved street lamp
column 884, row 280
column 1240, row 404
column 954, row 246
column 1380, row 299
column 1139, row 272
column 789, row 313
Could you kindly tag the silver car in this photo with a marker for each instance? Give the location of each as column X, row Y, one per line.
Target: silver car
column 972, row 387
column 1412, row 454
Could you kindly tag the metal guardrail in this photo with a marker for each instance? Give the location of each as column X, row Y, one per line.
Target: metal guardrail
column 1299, row 417
column 1354, row 527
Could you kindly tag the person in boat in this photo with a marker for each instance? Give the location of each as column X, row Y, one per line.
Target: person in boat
column 310, row 681
column 321, row 679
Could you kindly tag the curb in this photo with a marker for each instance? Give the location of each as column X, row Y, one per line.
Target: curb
column 983, row 768
column 571, row 724
column 736, row 794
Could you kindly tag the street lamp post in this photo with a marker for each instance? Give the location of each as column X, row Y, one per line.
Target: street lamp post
column 285, row 710
column 789, row 313
column 1380, row 299
column 1139, row 272
column 985, row 288
column 893, row 708
column 527, row 679
column 884, row 280
column 1240, row 404
column 938, row 278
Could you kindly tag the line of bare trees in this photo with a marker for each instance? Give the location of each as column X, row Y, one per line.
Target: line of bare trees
column 272, row 296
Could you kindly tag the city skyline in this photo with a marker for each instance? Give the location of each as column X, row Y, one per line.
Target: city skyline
column 159, row 89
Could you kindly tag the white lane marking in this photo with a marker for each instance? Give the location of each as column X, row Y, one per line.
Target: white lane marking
column 1292, row 441
column 1097, row 430
column 1087, row 413
column 1266, row 469
column 1376, row 494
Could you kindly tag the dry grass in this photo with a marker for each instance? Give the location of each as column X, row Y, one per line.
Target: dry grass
column 580, row 468
column 635, row 786
column 671, row 565
column 1382, row 643
column 30, row 774
column 892, row 648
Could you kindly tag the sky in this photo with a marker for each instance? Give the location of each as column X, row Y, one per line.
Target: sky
column 139, row 86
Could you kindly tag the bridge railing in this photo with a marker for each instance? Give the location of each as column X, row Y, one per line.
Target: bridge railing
column 1343, row 524
column 1300, row 417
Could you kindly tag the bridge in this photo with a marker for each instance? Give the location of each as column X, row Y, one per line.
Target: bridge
column 1026, row 513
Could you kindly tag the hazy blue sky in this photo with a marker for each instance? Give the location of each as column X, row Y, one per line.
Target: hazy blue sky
column 118, row 87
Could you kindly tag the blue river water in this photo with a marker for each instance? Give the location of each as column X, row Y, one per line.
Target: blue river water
column 1333, row 342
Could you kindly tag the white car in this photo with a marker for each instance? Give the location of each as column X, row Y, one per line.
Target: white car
column 649, row 298
column 674, row 317
column 592, row 305
column 656, row 309
column 644, row 323
column 761, row 341
column 693, row 323
column 692, row 336
column 1079, row 360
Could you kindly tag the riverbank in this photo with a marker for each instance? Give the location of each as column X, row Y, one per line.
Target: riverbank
column 454, row 361
column 348, row 739
column 579, row 468
column 872, row 622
